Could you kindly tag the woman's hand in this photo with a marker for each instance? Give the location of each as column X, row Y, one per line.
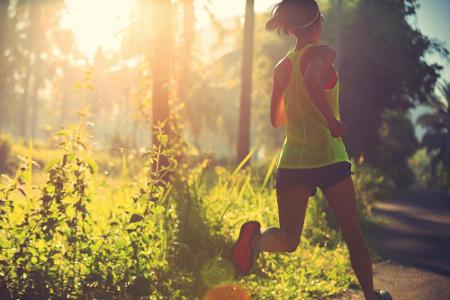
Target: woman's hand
column 337, row 128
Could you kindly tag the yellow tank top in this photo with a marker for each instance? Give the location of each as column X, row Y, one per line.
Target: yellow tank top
column 308, row 142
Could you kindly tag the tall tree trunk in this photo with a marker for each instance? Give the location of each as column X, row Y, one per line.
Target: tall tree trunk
column 24, row 113
column 4, row 30
column 33, row 19
column 37, row 28
column 186, row 48
column 162, row 48
column 243, row 143
column 34, row 97
column 161, row 63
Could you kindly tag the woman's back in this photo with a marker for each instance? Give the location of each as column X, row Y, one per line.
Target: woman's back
column 308, row 142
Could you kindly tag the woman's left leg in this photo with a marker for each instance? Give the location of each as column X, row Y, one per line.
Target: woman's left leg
column 342, row 201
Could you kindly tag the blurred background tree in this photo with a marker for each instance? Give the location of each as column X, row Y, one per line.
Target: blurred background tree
column 243, row 142
column 198, row 63
column 5, row 21
column 437, row 137
column 398, row 144
column 382, row 68
column 34, row 53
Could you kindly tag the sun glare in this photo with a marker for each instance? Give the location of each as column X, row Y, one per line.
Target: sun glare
column 97, row 23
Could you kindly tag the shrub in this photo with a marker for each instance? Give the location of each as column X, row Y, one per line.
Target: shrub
column 169, row 238
column 5, row 149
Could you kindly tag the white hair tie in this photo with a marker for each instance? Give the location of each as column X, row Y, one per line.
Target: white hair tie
column 310, row 23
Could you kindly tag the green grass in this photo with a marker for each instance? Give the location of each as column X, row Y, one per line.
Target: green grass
column 177, row 246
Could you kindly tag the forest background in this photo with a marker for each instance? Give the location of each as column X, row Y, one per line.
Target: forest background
column 81, row 133
column 45, row 58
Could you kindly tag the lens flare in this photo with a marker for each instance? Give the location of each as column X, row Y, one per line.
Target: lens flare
column 227, row 292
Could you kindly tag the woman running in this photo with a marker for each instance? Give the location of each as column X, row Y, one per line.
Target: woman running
column 305, row 98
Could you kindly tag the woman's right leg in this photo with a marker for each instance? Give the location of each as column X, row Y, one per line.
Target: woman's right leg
column 292, row 203
column 341, row 198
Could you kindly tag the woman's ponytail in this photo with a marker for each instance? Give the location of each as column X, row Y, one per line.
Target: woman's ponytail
column 276, row 21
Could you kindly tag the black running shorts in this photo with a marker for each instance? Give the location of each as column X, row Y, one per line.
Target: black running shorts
column 322, row 177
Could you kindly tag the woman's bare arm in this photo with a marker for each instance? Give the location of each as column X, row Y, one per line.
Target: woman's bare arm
column 281, row 76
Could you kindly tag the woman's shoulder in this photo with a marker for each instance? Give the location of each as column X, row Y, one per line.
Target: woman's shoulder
column 283, row 69
column 322, row 47
column 321, row 51
column 283, row 64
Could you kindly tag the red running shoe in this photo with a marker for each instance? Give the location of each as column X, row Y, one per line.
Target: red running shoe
column 243, row 254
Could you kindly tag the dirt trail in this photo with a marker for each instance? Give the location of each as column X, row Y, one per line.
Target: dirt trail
column 414, row 240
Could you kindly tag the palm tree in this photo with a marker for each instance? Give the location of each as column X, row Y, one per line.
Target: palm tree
column 437, row 136
column 243, row 144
